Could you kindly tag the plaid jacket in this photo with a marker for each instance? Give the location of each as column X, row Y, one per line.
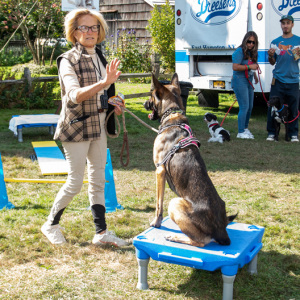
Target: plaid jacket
column 89, row 129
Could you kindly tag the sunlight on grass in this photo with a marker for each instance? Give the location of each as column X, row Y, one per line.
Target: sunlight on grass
column 259, row 180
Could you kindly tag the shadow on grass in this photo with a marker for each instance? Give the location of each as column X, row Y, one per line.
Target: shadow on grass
column 276, row 279
column 147, row 209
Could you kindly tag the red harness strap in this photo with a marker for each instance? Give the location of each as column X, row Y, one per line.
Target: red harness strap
column 247, row 76
column 259, row 72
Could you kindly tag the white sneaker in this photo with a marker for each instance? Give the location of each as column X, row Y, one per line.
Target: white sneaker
column 247, row 131
column 271, row 137
column 53, row 233
column 109, row 237
column 294, row 138
column 243, row 135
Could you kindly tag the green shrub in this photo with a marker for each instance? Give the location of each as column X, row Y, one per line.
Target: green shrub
column 8, row 58
column 162, row 29
column 52, row 70
column 135, row 57
column 8, row 74
column 35, row 70
column 40, row 95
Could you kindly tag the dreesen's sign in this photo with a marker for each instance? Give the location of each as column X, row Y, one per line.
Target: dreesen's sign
column 214, row 12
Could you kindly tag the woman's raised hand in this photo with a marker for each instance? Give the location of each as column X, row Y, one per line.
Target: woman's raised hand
column 112, row 72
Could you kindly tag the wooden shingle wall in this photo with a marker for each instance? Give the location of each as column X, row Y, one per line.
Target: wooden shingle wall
column 127, row 15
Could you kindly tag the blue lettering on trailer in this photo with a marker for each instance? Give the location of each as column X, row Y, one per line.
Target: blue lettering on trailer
column 286, row 7
column 181, row 57
column 215, row 12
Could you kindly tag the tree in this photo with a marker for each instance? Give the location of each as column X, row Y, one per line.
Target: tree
column 44, row 21
column 162, row 29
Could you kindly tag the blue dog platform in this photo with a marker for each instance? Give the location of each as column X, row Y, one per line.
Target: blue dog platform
column 18, row 122
column 244, row 247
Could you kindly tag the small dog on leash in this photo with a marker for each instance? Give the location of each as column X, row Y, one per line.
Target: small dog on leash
column 281, row 115
column 218, row 133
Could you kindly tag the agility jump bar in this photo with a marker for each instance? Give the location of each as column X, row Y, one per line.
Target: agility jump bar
column 37, row 180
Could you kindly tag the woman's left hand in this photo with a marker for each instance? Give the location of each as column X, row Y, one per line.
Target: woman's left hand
column 112, row 73
column 118, row 110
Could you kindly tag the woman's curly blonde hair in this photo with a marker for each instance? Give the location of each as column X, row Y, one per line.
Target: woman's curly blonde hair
column 71, row 23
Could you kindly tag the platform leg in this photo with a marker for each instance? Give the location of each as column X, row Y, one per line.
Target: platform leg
column 51, row 129
column 143, row 273
column 252, row 267
column 20, row 135
column 228, row 287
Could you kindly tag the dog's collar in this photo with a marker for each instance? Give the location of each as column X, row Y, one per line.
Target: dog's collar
column 211, row 125
column 281, row 108
column 170, row 111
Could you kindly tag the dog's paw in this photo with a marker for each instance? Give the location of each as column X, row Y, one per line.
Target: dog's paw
column 177, row 238
column 156, row 222
column 171, row 238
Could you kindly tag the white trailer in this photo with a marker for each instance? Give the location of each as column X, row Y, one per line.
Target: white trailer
column 208, row 31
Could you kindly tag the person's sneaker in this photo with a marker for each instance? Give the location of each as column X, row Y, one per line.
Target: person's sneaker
column 247, row 131
column 294, row 138
column 53, row 233
column 271, row 137
column 243, row 135
column 110, row 238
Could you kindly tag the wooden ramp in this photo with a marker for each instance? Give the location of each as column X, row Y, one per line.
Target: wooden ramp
column 50, row 158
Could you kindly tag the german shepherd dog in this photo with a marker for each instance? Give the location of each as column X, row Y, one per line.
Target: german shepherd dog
column 281, row 115
column 198, row 211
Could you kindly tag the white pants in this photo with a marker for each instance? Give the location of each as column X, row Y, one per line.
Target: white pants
column 77, row 154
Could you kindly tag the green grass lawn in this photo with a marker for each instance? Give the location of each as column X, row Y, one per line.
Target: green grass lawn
column 260, row 180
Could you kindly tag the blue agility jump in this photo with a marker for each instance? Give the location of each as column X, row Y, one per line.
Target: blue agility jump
column 111, row 202
column 4, row 203
column 244, row 247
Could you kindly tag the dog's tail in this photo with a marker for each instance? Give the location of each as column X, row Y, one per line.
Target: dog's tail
column 231, row 218
column 222, row 237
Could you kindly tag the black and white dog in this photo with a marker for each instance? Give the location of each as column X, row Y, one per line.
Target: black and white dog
column 218, row 133
column 281, row 114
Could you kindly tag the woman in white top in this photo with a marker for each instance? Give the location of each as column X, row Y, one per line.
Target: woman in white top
column 87, row 81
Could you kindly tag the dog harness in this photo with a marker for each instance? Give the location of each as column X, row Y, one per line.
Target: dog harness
column 188, row 141
column 214, row 124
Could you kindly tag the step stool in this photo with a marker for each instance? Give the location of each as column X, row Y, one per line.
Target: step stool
column 244, row 247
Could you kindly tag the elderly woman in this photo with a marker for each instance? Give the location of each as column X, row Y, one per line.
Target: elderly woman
column 87, row 81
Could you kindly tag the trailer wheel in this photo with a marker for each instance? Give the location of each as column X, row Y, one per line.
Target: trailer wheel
column 208, row 98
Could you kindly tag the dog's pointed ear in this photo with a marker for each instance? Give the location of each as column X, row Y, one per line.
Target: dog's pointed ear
column 175, row 81
column 156, row 83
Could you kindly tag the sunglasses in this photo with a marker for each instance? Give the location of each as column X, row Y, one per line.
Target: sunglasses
column 251, row 42
column 85, row 29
